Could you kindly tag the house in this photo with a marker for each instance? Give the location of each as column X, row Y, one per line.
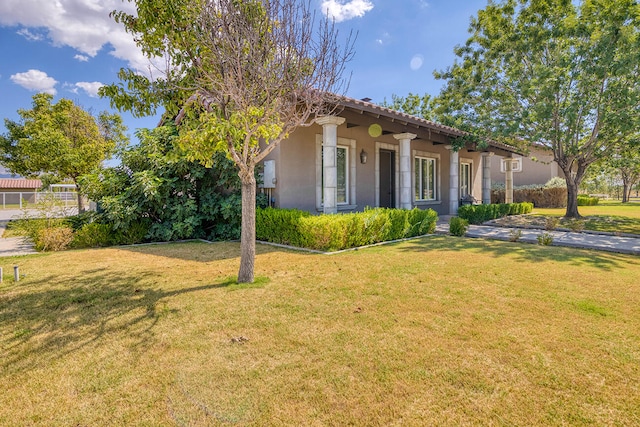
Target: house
column 368, row 155
column 535, row 169
column 14, row 190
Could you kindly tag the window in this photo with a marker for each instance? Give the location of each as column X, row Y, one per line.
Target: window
column 425, row 178
column 342, row 164
column 465, row 179
column 516, row 164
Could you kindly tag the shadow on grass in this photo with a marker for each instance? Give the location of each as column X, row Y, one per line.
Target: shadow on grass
column 55, row 316
column 199, row 251
column 524, row 252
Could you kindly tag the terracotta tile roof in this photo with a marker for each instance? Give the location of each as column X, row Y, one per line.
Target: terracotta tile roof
column 19, row 183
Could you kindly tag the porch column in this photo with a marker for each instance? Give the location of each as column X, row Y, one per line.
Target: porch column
column 405, row 168
column 329, row 163
column 454, row 191
column 486, row 178
column 508, row 180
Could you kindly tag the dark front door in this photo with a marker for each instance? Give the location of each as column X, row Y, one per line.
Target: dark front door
column 387, row 179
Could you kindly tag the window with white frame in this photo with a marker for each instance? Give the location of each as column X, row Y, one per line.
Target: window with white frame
column 342, row 165
column 516, row 164
column 346, row 172
column 465, row 179
column 425, row 178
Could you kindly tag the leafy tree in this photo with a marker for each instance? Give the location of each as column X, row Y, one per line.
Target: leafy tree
column 172, row 198
column 61, row 139
column 551, row 71
column 243, row 75
column 413, row 104
column 626, row 164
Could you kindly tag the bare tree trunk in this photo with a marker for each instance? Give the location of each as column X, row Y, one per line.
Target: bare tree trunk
column 626, row 191
column 248, row 233
column 572, row 200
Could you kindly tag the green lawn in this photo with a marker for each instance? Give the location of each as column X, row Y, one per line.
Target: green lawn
column 435, row 331
column 611, row 216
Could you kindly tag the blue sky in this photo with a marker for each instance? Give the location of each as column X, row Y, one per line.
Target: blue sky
column 71, row 47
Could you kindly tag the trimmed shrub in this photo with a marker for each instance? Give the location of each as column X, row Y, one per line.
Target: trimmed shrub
column 458, row 226
column 542, row 197
column 335, row 232
column 53, row 238
column 477, row 214
column 551, row 223
column 584, row 200
column 545, row 239
column 93, row 235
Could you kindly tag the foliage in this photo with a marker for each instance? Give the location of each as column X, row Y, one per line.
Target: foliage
column 515, row 235
column 239, row 73
column 458, row 226
column 61, row 139
column 541, row 197
column 587, row 200
column 477, row 214
column 559, row 73
column 551, row 223
column 413, row 104
column 157, row 190
column 93, row 235
column 545, row 239
column 53, row 238
column 575, row 225
column 556, row 182
column 336, row 232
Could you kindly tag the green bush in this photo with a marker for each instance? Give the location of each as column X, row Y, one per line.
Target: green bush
column 458, row 226
column 587, row 200
column 477, row 214
column 93, row 235
column 335, row 232
column 53, row 238
column 542, row 197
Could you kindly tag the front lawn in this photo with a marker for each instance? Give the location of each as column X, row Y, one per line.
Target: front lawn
column 435, row 331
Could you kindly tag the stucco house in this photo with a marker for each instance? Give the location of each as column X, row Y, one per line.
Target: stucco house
column 368, row 155
column 537, row 168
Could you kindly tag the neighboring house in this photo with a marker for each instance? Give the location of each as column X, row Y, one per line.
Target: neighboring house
column 14, row 190
column 535, row 169
column 367, row 155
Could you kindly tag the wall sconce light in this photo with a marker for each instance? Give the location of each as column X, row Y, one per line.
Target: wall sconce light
column 363, row 157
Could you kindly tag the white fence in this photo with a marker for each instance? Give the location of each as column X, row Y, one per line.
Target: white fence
column 21, row 199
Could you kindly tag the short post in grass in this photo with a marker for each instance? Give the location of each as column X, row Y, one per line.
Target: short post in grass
column 16, row 273
column 0, row 274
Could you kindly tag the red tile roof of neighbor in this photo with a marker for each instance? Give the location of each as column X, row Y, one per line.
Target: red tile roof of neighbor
column 16, row 183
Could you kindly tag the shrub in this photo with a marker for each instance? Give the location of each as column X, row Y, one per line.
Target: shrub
column 53, row 238
column 477, row 214
column 93, row 235
column 542, row 197
column 458, row 226
column 515, row 235
column 336, row 232
column 556, row 182
column 551, row 223
column 135, row 232
column 545, row 239
column 584, row 200
column 576, row 225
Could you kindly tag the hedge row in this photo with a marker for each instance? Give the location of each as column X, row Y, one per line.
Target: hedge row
column 477, row 214
column 336, row 232
column 587, row 200
column 541, row 197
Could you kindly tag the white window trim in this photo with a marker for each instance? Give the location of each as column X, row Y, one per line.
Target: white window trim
column 350, row 144
column 471, row 172
column 516, row 164
column 438, row 187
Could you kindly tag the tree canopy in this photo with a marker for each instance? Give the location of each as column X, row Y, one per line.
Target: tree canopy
column 553, row 72
column 241, row 76
column 61, row 139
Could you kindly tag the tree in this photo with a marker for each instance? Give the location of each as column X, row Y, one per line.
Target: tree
column 243, row 75
column 61, row 139
column 553, row 72
column 626, row 162
column 413, row 104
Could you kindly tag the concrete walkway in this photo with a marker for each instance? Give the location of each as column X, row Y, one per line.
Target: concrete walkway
column 13, row 246
column 585, row 240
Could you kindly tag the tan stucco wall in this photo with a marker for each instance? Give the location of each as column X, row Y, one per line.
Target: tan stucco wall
column 536, row 172
column 295, row 160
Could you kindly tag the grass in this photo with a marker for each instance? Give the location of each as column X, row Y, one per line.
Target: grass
column 435, row 331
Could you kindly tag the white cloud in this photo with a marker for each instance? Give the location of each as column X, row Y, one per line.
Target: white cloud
column 341, row 11
column 35, row 80
column 91, row 88
column 416, row 62
column 81, row 58
column 24, row 32
column 84, row 25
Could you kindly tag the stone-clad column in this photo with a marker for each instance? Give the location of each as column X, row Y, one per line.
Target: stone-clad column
column 329, row 162
column 405, row 168
column 454, row 171
column 486, row 178
column 508, row 180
